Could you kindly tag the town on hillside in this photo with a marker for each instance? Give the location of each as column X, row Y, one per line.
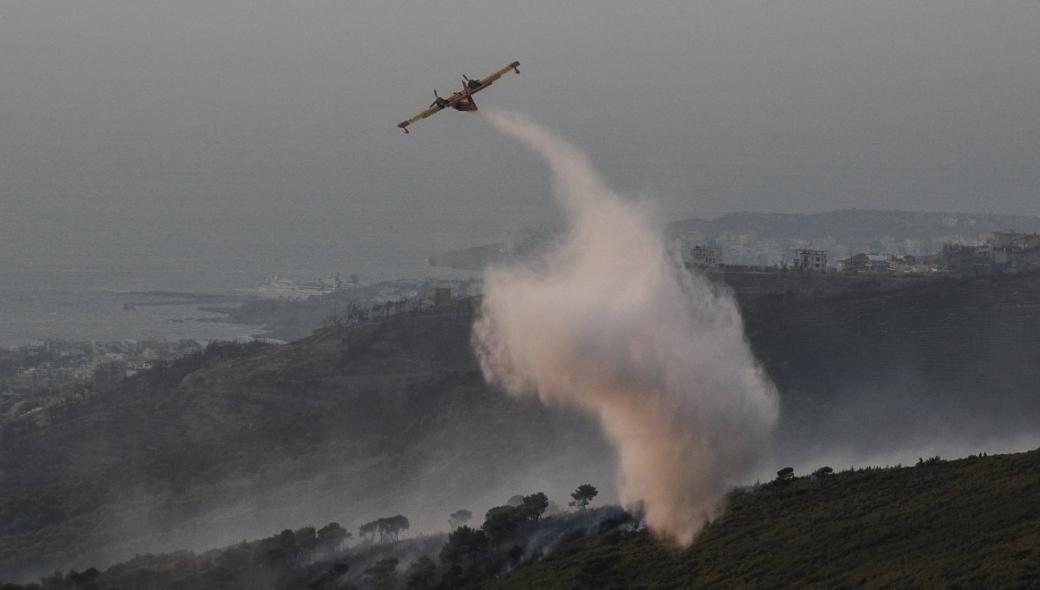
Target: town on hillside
column 994, row 253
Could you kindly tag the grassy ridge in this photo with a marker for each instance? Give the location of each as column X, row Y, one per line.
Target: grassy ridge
column 970, row 523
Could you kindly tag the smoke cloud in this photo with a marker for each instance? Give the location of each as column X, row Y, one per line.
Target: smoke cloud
column 610, row 322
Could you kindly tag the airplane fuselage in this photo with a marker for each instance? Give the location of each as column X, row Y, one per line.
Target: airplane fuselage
column 465, row 105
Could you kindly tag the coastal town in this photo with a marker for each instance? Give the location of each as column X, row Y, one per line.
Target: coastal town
column 33, row 369
column 51, row 364
column 993, row 253
column 54, row 375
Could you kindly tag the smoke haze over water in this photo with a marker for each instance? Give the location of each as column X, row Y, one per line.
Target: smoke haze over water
column 611, row 323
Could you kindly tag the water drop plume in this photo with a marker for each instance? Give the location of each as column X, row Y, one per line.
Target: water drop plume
column 610, row 322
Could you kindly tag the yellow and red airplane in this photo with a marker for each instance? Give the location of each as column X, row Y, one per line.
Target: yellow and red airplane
column 463, row 99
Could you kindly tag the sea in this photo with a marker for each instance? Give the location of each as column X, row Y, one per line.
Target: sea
column 135, row 302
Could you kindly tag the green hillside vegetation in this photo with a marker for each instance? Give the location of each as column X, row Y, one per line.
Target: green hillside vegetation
column 326, row 559
column 970, row 523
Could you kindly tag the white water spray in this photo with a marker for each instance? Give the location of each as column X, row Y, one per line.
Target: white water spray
column 610, row 322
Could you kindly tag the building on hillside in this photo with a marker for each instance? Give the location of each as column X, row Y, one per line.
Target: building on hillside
column 705, row 256
column 998, row 252
column 911, row 264
column 810, row 260
column 874, row 263
column 1012, row 240
column 967, row 259
column 1010, row 251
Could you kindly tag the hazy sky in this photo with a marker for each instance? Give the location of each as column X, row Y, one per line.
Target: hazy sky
column 195, row 134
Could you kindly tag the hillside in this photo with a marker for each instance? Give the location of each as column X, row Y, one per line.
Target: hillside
column 970, row 523
column 935, row 367
column 393, row 416
column 346, row 425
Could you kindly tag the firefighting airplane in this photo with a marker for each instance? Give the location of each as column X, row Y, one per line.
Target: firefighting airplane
column 462, row 100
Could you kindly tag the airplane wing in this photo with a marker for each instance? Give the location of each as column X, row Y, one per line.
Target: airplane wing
column 436, row 108
column 419, row 117
column 490, row 79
